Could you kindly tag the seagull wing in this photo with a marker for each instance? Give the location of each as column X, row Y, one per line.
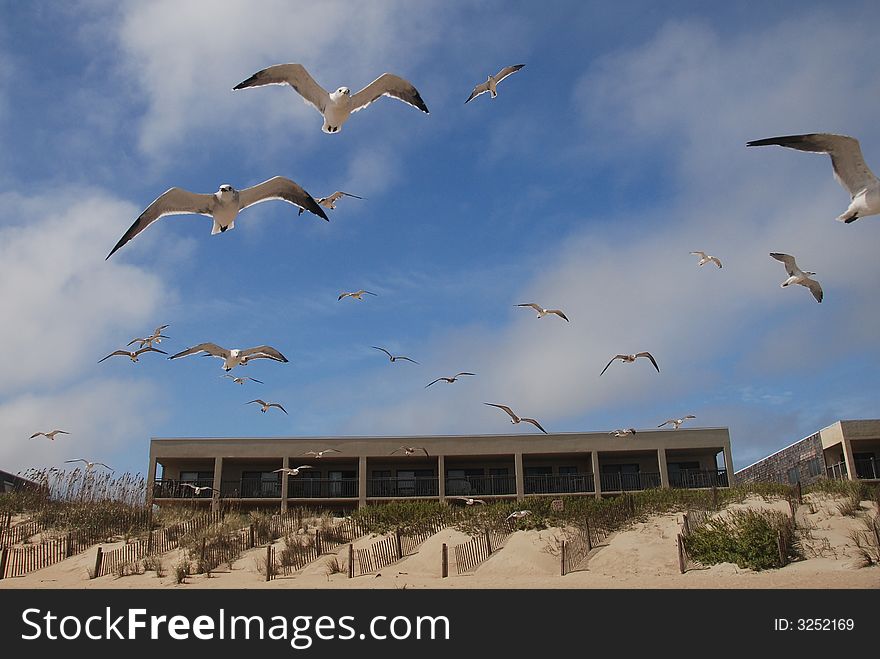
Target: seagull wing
column 78, row 460
column 610, row 361
column 141, row 341
column 702, row 255
column 174, row 201
column 479, row 89
column 649, row 356
column 715, row 260
column 790, row 265
column 434, row 382
column 103, row 465
column 263, row 352
column 117, row 352
column 294, row 75
column 506, row 71
column 534, row 423
column 666, row 423
column 815, row 288
column 534, row 306
column 149, row 349
column 506, row 409
column 690, row 416
column 407, row 359
column 37, row 434
column 282, row 188
column 559, row 313
column 159, row 329
column 383, row 350
column 256, row 400
column 363, row 292
column 278, row 405
column 255, row 380
column 338, row 194
column 425, row 450
column 464, row 373
column 849, row 165
column 391, row 85
column 211, row 348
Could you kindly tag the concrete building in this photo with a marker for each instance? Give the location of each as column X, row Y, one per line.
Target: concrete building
column 845, row 449
column 361, row 470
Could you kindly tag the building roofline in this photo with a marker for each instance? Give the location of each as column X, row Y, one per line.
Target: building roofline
column 784, row 448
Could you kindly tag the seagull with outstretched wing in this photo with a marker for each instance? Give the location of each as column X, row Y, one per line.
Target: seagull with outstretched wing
column 543, row 312
column 266, row 406
column 241, row 380
column 450, row 380
column 338, row 106
column 395, row 358
column 320, row 454
column 798, row 276
column 623, row 432
column 89, row 465
column 517, row 419
column 132, row 355
column 705, row 258
column 492, row 82
column 222, row 206
column 629, row 359
column 50, row 435
column 676, row 423
column 410, row 450
column 330, row 202
column 357, row 295
column 291, row 471
column 235, row 356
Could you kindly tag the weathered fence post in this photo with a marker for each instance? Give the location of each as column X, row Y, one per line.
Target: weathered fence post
column 488, row 543
column 202, row 554
column 397, row 544
column 714, row 497
column 562, row 560
column 251, row 536
column 800, row 494
column 99, row 558
column 269, row 561
column 779, row 546
column 68, row 546
column 681, row 564
column 875, row 526
column 351, row 561
column 589, row 539
column 686, row 526
column 444, row 561
column 318, row 547
column 4, row 557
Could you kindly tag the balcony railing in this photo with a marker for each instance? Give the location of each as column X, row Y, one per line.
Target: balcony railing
column 402, row 487
column 868, row 469
column 480, row 485
column 696, row 478
column 837, row 471
column 623, row 482
column 322, row 488
column 559, row 484
column 251, row 488
column 175, row 489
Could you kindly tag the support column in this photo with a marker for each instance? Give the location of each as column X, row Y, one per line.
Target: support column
column 441, row 477
column 151, row 481
column 362, row 481
column 728, row 465
column 597, row 479
column 218, row 480
column 664, row 470
column 849, row 459
column 520, row 480
column 285, row 483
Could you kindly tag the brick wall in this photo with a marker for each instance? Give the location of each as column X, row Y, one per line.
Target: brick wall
column 802, row 461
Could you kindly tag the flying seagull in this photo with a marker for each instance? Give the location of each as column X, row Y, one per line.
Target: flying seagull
column 676, row 422
column 516, row 419
column 155, row 337
column 50, row 435
column 623, row 432
column 338, row 106
column 291, row 471
column 223, row 206
column 449, row 380
column 241, row 380
column 629, row 359
column 492, row 82
column 705, row 258
column 542, row 311
column 357, row 295
column 198, row 489
column 798, row 276
column 410, row 450
column 234, row 357
column 330, row 202
column 89, row 465
column 320, row 454
column 133, row 356
column 470, row 501
column 266, row 405
column 849, row 165
column 394, row 358
column 517, row 514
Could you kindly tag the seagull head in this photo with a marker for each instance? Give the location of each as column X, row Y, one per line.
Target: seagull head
column 226, row 189
column 344, row 91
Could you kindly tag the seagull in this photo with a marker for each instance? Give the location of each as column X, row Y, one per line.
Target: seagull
column 517, row 514
column 492, row 82
column 338, row 106
column 516, row 419
column 223, row 206
column 266, row 405
column 291, row 471
column 543, row 312
column 320, row 454
column 470, row 501
column 410, row 450
column 392, row 357
column 630, row 359
column 234, row 357
column 241, row 380
column 705, row 258
column 798, row 276
column 50, row 435
column 132, row 355
column 89, row 465
column 198, row 489
column 155, row 337
column 357, row 295
column 449, row 380
column 849, row 165
column 330, row 202
column 676, row 422
column 623, row 432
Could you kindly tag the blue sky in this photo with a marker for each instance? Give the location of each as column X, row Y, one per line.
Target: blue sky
column 617, row 150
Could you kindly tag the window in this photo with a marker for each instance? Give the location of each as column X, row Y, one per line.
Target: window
column 794, row 475
column 568, row 471
column 814, row 467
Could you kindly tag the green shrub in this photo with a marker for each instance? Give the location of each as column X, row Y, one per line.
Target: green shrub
column 745, row 537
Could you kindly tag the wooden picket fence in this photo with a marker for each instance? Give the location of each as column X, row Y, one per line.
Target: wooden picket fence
column 471, row 554
column 18, row 561
column 690, row 521
column 575, row 548
column 14, row 534
column 379, row 554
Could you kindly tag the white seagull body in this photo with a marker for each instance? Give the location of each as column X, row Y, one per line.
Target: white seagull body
column 50, row 435
column 623, row 432
column 240, row 380
column 450, row 380
column 543, row 312
column 516, row 514
column 89, row 465
column 223, row 206
column 235, row 356
column 676, row 423
column 357, row 295
column 629, row 359
column 705, row 258
column 410, row 450
column 798, row 276
column 337, row 107
column 518, row 419
column 849, row 165
column 320, row 454
column 491, row 83
column 266, row 406
column 330, row 202
column 468, row 501
column 132, row 355
column 291, row 471
column 198, row 489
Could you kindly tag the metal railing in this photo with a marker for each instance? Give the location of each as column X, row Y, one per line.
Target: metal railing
column 480, row 485
column 867, row 469
column 696, row 478
column 251, row 488
column 420, row 486
column 177, row 489
column 624, row 482
column 559, row 484
column 837, row 471
column 322, row 488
